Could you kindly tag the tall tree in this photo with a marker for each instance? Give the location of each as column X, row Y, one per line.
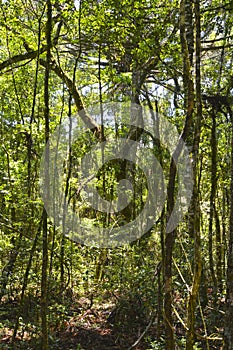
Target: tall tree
column 44, row 277
column 195, row 218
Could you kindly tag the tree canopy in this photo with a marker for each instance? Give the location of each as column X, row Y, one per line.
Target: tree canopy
column 134, row 100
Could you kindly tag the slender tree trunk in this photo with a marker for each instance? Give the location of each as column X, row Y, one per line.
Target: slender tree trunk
column 224, row 231
column 170, row 236
column 44, row 292
column 218, row 251
column 195, row 219
column 228, row 332
column 69, row 172
column 25, row 281
column 157, row 145
column 44, row 277
column 189, row 28
column 212, row 197
column 169, row 243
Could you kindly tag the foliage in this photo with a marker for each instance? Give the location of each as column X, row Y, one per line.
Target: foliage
column 111, row 51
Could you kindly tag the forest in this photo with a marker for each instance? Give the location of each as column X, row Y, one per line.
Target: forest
column 116, row 177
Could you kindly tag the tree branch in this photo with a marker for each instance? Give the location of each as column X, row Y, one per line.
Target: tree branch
column 75, row 94
column 68, row 81
column 22, row 57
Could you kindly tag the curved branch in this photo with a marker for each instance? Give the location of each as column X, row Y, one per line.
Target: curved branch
column 22, row 57
column 76, row 96
column 68, row 81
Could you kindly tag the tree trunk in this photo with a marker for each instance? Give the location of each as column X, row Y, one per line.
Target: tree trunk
column 195, row 218
column 218, row 252
column 170, row 236
column 212, row 197
column 44, row 292
column 25, row 281
column 169, row 243
column 228, row 332
column 44, row 277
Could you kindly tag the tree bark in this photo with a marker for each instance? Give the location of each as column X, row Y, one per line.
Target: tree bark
column 195, row 218
column 171, row 236
column 212, row 197
column 44, row 277
column 228, row 331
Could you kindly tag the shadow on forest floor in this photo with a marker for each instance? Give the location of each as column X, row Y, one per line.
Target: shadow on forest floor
column 81, row 339
column 84, row 330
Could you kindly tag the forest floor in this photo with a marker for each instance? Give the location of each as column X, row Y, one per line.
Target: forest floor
column 86, row 324
column 76, row 328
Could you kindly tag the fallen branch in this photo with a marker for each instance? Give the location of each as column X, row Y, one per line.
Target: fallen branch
column 143, row 333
